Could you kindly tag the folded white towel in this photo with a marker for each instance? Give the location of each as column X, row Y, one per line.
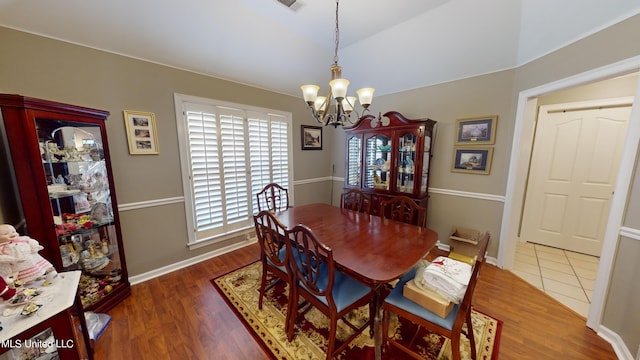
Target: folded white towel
column 447, row 277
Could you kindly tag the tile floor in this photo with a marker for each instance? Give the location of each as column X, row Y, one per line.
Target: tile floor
column 567, row 276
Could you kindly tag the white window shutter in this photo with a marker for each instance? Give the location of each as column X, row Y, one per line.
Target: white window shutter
column 232, row 154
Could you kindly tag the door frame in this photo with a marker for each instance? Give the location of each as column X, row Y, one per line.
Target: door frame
column 519, row 165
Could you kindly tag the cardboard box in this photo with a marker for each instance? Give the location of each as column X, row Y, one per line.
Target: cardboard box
column 464, row 258
column 464, row 241
column 428, row 299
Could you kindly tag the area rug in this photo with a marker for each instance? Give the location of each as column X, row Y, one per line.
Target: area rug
column 240, row 289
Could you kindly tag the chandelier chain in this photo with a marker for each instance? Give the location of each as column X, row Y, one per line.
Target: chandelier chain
column 335, row 56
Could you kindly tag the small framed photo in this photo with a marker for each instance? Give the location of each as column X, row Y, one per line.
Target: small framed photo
column 141, row 132
column 472, row 160
column 479, row 130
column 311, row 137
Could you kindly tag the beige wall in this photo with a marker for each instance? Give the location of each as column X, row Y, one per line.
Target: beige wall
column 483, row 95
column 155, row 236
column 50, row 69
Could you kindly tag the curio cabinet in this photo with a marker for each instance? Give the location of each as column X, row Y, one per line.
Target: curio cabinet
column 60, row 157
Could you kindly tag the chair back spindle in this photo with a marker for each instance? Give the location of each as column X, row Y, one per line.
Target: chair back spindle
column 403, row 208
column 357, row 200
column 273, row 197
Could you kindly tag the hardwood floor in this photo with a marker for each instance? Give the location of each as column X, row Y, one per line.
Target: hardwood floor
column 181, row 316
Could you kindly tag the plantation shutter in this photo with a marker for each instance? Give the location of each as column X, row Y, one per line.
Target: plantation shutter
column 205, row 170
column 232, row 154
column 269, row 152
column 234, row 165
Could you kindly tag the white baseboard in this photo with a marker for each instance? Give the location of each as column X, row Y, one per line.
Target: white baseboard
column 188, row 262
column 617, row 343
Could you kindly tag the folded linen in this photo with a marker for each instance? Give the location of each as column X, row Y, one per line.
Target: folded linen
column 447, row 277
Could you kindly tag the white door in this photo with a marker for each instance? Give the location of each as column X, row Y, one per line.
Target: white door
column 576, row 152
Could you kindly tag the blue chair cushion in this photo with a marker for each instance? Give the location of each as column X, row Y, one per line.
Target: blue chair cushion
column 346, row 290
column 397, row 299
column 282, row 255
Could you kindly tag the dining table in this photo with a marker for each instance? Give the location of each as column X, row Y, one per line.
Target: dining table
column 369, row 248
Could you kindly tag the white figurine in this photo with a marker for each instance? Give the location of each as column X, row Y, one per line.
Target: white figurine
column 19, row 256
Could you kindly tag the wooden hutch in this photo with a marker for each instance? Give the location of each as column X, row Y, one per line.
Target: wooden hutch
column 388, row 156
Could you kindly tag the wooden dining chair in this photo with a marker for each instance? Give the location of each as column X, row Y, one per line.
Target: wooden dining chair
column 273, row 255
column 451, row 326
column 403, row 208
column 355, row 199
column 273, row 197
column 324, row 287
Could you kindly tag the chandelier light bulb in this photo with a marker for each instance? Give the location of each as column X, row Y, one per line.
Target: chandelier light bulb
column 348, row 103
column 319, row 103
column 310, row 93
column 365, row 95
column 339, row 88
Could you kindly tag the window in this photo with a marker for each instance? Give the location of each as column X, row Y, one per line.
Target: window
column 229, row 152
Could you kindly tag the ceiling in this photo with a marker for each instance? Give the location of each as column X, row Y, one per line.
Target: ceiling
column 392, row 45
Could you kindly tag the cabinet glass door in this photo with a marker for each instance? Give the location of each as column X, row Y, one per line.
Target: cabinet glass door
column 354, row 156
column 378, row 162
column 406, row 162
column 80, row 197
column 426, row 157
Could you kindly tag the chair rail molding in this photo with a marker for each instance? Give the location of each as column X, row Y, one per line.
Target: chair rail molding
column 467, row 194
column 150, row 203
column 630, row 233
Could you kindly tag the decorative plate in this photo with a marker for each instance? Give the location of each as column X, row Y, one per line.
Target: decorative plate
column 23, row 296
column 29, row 309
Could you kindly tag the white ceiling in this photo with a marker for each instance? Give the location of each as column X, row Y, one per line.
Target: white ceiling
column 392, row 45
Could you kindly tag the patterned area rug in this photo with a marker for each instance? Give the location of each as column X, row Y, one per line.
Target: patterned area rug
column 240, row 289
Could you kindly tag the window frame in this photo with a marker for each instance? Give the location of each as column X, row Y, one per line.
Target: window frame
column 183, row 103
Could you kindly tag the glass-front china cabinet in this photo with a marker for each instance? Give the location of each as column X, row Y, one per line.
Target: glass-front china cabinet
column 388, row 156
column 61, row 162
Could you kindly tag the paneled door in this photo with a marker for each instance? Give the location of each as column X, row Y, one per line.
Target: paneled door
column 574, row 164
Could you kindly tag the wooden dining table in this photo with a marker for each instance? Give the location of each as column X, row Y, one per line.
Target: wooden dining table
column 369, row 248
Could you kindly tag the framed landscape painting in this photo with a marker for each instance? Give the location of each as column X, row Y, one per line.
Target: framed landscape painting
column 480, row 130
column 311, row 137
column 472, row 160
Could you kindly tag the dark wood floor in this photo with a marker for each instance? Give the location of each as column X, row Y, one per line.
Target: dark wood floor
column 181, row 316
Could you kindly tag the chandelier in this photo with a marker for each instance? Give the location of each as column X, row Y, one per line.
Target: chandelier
column 336, row 108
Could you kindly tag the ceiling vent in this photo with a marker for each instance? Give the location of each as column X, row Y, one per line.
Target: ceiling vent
column 287, row 3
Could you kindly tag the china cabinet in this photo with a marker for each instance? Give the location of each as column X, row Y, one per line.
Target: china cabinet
column 61, row 163
column 389, row 155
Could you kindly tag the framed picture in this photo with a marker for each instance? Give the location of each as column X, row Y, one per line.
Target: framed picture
column 141, row 132
column 480, row 130
column 472, row 160
column 311, row 137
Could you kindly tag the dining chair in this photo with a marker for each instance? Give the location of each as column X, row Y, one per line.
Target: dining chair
column 451, row 326
column 355, row 199
column 324, row 287
column 273, row 197
column 273, row 255
column 403, row 208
